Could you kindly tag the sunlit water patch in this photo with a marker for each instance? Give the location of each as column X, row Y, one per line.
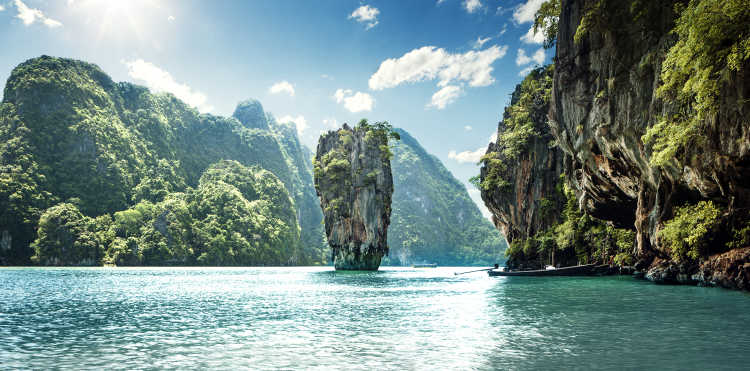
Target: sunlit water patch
column 397, row 318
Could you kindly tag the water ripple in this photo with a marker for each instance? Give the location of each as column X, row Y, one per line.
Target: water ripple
column 315, row 318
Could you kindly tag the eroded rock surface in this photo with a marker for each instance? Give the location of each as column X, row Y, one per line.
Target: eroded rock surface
column 531, row 177
column 604, row 99
column 354, row 183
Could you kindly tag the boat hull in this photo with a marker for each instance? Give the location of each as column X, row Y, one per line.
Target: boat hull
column 579, row 270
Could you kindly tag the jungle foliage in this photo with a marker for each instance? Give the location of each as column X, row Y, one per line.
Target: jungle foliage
column 577, row 239
column 434, row 220
column 713, row 45
column 519, row 126
column 546, row 20
column 76, row 148
column 688, row 233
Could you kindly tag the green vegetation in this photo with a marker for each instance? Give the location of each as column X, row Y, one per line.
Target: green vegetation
column 520, row 125
column 577, row 239
column 546, row 20
column 687, row 234
column 740, row 236
column 381, row 132
column 314, row 249
column 713, row 44
column 77, row 148
column 334, row 168
column 433, row 218
column 236, row 216
column 67, row 237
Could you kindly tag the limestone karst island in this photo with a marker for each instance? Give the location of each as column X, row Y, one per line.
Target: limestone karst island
column 375, row 184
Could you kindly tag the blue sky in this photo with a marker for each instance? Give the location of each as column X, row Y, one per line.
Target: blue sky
column 442, row 70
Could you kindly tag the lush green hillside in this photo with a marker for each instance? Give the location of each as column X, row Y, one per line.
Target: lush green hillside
column 93, row 171
column 310, row 217
column 236, row 216
column 69, row 134
column 433, row 218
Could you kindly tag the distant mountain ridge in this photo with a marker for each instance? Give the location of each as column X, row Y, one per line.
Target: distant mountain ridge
column 94, row 172
column 434, row 219
column 71, row 134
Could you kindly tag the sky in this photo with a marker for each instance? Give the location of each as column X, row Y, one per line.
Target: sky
column 443, row 70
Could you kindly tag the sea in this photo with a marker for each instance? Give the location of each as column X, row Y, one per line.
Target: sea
column 315, row 318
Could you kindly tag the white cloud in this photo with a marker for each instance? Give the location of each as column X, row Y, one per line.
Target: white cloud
column 160, row 80
column 300, row 122
column 30, row 15
column 472, row 5
column 51, row 23
column 429, row 63
column 468, row 128
column 504, row 30
column 327, row 77
column 493, row 137
column 533, row 38
column 537, row 58
column 340, row 94
column 445, row 96
column 480, row 42
column 354, row 102
column 282, row 87
column 171, row 18
column 468, row 157
column 525, row 13
column 1, row 8
column 366, row 14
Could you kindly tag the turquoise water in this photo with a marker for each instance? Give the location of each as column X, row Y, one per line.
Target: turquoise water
column 397, row 318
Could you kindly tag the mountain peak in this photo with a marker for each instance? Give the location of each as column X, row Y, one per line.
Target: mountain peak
column 250, row 113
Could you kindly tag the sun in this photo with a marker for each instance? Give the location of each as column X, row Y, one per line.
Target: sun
column 119, row 18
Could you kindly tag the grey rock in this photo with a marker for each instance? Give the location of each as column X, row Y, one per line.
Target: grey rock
column 603, row 101
column 354, row 183
column 251, row 115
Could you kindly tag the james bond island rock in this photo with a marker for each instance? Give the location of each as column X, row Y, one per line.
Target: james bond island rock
column 354, row 183
column 651, row 104
column 523, row 185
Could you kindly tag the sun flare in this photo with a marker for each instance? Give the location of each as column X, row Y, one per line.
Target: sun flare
column 118, row 18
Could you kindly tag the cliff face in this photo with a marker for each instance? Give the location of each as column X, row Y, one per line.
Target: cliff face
column 354, row 183
column 521, row 184
column 604, row 100
column 434, row 220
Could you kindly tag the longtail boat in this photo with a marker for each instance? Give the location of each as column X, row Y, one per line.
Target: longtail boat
column 578, row 270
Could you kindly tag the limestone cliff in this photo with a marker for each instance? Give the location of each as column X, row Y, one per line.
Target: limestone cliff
column 603, row 102
column 354, row 183
column 522, row 184
column 518, row 182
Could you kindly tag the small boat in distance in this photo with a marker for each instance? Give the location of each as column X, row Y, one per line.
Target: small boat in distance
column 426, row 265
column 578, row 270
